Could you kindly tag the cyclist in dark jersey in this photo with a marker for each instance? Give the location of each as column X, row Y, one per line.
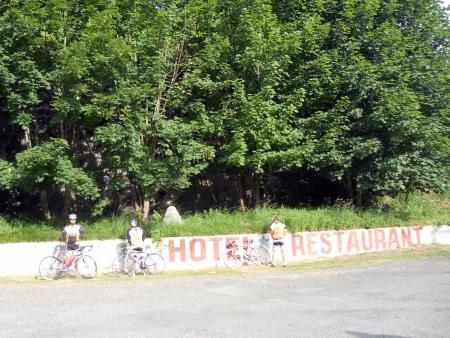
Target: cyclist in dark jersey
column 71, row 236
column 72, row 233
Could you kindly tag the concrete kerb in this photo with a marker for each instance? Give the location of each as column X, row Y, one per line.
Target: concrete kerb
column 203, row 252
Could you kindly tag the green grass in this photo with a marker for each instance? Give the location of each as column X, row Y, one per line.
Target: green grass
column 406, row 210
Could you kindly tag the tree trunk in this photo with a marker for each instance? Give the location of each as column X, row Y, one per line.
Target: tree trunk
column 239, row 192
column 26, row 141
column 135, row 197
column 61, row 129
column 359, row 198
column 44, row 204
column 68, row 199
column 146, row 209
column 256, row 189
column 348, row 186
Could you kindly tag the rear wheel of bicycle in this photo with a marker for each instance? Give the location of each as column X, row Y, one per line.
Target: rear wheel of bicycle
column 118, row 266
column 259, row 255
column 51, row 268
column 128, row 263
column 232, row 258
column 154, row 263
column 87, row 267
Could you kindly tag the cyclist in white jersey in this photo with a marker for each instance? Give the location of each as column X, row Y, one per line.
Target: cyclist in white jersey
column 71, row 236
column 135, row 236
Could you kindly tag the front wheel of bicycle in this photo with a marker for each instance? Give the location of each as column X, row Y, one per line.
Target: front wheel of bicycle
column 232, row 258
column 51, row 268
column 87, row 267
column 154, row 263
column 259, row 255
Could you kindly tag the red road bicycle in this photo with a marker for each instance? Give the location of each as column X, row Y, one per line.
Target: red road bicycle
column 58, row 266
column 236, row 255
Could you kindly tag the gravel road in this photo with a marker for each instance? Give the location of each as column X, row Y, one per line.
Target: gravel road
column 407, row 298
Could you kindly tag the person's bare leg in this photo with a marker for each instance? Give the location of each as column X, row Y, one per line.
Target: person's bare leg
column 273, row 255
column 282, row 255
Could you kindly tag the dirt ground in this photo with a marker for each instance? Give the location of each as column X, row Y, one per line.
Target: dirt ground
column 389, row 298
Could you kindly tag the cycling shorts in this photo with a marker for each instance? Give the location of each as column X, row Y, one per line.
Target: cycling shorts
column 73, row 246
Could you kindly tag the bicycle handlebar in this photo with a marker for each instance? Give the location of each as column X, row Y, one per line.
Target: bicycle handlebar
column 80, row 249
column 86, row 247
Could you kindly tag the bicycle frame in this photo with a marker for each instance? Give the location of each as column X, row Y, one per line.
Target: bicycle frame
column 58, row 266
column 76, row 254
column 147, row 261
column 236, row 249
column 236, row 255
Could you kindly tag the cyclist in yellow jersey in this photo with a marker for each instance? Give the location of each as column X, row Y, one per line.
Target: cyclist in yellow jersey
column 135, row 236
column 278, row 231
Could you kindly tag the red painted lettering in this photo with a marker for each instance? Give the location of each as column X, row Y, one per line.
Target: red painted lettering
column 216, row 241
column 311, row 241
column 367, row 241
column 406, row 237
column 181, row 250
column 393, row 239
column 245, row 241
column 228, row 240
column 202, row 254
column 352, row 241
column 324, row 238
column 339, row 235
column 380, row 239
column 297, row 244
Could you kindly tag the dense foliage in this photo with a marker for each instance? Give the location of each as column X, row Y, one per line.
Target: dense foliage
column 217, row 103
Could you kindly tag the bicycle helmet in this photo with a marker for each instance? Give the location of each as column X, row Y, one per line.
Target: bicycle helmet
column 72, row 216
column 133, row 223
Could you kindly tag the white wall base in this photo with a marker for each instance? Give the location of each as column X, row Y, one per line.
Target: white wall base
column 191, row 253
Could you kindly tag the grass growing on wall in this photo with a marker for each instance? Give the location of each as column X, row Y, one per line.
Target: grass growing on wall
column 405, row 210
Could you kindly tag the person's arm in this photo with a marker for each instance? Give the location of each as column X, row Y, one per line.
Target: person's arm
column 270, row 230
column 129, row 237
column 62, row 238
column 81, row 233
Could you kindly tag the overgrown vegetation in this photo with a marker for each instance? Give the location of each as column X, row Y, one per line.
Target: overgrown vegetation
column 114, row 105
column 406, row 210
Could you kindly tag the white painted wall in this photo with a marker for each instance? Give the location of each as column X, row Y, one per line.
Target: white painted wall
column 191, row 253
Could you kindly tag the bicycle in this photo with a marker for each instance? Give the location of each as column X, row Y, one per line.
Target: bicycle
column 236, row 255
column 147, row 261
column 54, row 267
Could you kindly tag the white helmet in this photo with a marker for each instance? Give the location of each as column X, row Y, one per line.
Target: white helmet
column 72, row 216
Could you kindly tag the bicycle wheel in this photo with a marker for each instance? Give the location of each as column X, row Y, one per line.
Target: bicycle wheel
column 154, row 263
column 259, row 255
column 232, row 258
column 51, row 268
column 128, row 263
column 86, row 266
column 118, row 266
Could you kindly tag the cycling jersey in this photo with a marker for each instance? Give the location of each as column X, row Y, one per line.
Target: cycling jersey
column 71, row 234
column 277, row 229
column 135, row 237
